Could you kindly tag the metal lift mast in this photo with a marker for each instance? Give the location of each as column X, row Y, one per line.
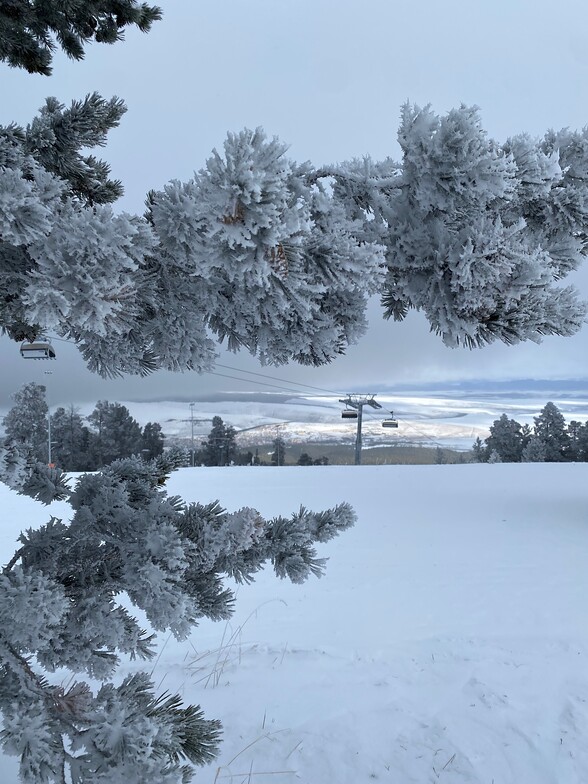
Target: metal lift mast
column 358, row 402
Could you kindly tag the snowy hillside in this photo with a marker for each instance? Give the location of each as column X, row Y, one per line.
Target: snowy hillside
column 452, row 419
column 447, row 642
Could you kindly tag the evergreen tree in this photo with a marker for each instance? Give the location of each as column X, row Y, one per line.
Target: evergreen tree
column 526, row 433
column 220, row 447
column 244, row 458
column 535, row 451
column 506, row 439
column 176, row 457
column 465, row 234
column 152, row 440
column 479, row 451
column 72, row 446
column 306, row 460
column 117, row 434
column 573, row 430
column 26, row 422
column 550, row 429
column 278, row 457
column 582, row 443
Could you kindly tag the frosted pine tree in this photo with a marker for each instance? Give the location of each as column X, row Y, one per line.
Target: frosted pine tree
column 506, row 439
column 26, row 422
column 71, row 440
column 58, row 593
column 550, row 429
column 534, row 451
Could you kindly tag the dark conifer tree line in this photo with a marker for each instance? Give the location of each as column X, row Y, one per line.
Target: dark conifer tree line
column 550, row 440
column 77, row 444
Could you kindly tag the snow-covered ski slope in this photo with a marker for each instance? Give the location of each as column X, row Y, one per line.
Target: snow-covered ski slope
column 448, row 641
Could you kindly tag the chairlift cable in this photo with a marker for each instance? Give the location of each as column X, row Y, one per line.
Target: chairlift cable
column 275, row 378
column 251, row 381
column 419, row 431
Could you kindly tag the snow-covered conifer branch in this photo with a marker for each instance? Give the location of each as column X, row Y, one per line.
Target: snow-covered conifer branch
column 29, row 477
column 60, row 601
column 31, row 32
column 279, row 258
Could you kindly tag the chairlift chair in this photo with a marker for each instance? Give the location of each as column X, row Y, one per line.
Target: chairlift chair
column 348, row 414
column 391, row 422
column 37, row 349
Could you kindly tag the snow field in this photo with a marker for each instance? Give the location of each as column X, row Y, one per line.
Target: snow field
column 447, row 641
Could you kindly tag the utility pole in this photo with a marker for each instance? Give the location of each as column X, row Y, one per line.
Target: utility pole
column 192, row 435
column 278, row 445
column 358, row 402
column 49, row 461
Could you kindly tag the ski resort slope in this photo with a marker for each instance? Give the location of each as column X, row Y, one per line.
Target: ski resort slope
column 447, row 642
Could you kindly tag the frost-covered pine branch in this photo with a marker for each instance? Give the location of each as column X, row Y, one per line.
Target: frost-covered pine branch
column 279, row 258
column 20, row 471
column 31, row 31
column 479, row 234
column 60, row 602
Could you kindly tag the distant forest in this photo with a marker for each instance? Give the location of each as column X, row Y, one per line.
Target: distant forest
column 550, row 440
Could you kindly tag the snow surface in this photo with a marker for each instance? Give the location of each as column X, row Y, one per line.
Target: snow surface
column 447, row 642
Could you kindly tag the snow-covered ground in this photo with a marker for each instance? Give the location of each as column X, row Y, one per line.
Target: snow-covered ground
column 448, row 641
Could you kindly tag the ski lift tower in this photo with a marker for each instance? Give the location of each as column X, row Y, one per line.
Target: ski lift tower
column 357, row 402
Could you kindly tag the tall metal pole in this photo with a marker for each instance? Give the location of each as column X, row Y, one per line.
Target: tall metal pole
column 278, row 445
column 48, row 373
column 192, row 437
column 358, row 436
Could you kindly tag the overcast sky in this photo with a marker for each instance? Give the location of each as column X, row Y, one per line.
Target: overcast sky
column 328, row 77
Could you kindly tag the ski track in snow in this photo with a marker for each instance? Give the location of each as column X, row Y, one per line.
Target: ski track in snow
column 447, row 641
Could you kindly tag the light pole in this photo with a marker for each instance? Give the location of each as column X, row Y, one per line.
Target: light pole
column 192, row 435
column 50, row 462
column 278, row 443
